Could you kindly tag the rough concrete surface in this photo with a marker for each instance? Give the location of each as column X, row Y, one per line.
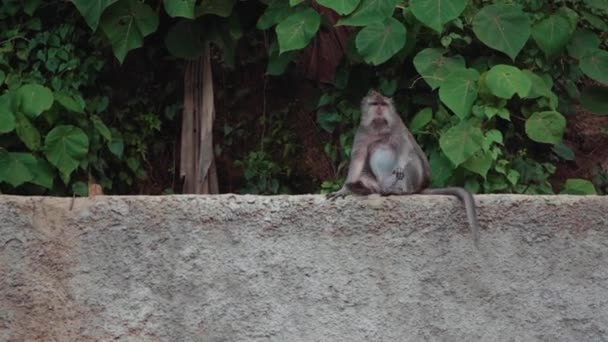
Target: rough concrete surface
column 300, row 268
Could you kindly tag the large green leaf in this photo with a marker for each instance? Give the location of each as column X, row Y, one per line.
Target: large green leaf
column 595, row 65
column 43, row 173
column 436, row 13
column 180, row 8
column 35, row 99
column 126, row 23
column 186, row 39
column 577, row 186
column 297, row 30
column 480, row 163
column 378, row 42
column 502, row 27
column 441, row 169
column 546, row 127
column 434, row 67
column 222, row 8
column 583, row 41
column 461, row 142
column 342, row 7
column 459, row 91
column 552, row 34
column 595, row 99
column 91, row 10
column 504, row 81
column 369, row 12
column 27, row 132
column 15, row 167
column 7, row 118
column 65, row 146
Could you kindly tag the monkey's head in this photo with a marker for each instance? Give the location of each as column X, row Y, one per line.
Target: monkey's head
column 377, row 111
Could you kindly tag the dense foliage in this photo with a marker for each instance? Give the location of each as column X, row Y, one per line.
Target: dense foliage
column 486, row 86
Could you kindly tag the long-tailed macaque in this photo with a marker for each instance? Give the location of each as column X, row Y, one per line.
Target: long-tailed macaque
column 387, row 160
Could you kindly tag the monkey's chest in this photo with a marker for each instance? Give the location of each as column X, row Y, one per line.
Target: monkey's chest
column 382, row 161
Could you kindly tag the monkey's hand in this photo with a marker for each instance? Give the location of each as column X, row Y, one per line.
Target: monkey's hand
column 399, row 173
column 338, row 194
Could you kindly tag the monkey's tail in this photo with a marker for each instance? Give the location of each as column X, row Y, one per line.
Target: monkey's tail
column 469, row 204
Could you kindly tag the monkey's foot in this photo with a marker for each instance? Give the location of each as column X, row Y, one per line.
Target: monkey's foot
column 399, row 173
column 332, row 196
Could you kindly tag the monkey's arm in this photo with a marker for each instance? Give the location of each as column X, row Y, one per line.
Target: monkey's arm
column 469, row 205
column 357, row 180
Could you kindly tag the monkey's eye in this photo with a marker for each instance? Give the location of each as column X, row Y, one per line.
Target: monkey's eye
column 373, row 103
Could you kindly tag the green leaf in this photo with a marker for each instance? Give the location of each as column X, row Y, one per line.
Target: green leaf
column 378, row 42
column 186, row 39
column 492, row 136
column 276, row 12
column 295, row 2
column 421, row 119
column 504, row 81
column 552, row 34
column 15, row 167
column 44, row 173
column 369, row 12
column 595, row 21
column 461, row 142
column 342, row 7
column 480, row 163
column 328, row 120
column 459, row 91
column 2, row 77
column 582, row 42
column 540, row 88
column 434, row 67
column 595, row 99
column 91, row 10
column 80, row 189
column 75, row 104
column 27, row 132
column 546, row 127
column 101, row 128
column 65, row 146
column 35, row 99
column 126, row 23
column 277, row 63
column 222, row 8
column 30, row 6
column 601, row 5
column 116, row 145
column 502, row 27
column 7, row 118
column 595, row 65
column 180, row 8
column 297, row 30
column 564, row 152
column 441, row 169
column 577, row 186
column 436, row 13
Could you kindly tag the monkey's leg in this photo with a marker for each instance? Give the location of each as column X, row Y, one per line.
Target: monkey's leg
column 364, row 186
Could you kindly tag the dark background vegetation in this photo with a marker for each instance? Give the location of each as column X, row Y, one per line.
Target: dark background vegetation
column 284, row 123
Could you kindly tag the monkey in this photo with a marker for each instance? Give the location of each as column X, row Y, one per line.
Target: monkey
column 386, row 160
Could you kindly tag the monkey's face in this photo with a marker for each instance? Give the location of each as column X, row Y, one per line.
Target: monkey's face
column 378, row 112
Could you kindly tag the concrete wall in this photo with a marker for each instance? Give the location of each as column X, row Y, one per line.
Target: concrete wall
column 299, row 268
